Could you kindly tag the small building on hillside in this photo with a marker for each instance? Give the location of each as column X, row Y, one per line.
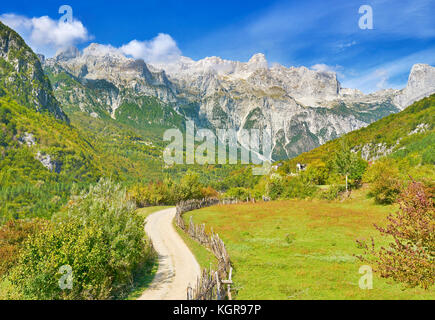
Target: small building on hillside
column 301, row 166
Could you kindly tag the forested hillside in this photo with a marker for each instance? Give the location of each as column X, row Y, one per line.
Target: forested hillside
column 44, row 152
column 408, row 135
column 41, row 154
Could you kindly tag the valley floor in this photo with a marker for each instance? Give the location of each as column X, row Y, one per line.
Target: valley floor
column 302, row 249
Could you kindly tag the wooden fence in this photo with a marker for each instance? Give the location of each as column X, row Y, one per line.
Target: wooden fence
column 211, row 284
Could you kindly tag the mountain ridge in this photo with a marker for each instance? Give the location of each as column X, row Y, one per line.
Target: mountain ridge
column 301, row 107
column 22, row 76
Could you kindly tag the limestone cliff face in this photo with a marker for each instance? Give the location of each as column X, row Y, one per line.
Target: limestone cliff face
column 421, row 84
column 302, row 108
column 104, row 79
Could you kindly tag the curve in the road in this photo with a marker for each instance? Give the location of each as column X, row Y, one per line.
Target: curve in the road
column 178, row 267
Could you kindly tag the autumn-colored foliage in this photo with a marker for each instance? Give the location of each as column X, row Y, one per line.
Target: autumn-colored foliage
column 385, row 181
column 12, row 236
column 409, row 258
column 169, row 192
column 99, row 237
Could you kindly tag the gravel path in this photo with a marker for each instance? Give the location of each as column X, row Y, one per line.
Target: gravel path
column 177, row 266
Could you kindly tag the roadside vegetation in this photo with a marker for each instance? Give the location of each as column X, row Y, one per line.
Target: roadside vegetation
column 98, row 236
column 170, row 192
column 205, row 258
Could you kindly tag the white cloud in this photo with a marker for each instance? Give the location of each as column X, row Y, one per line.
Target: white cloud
column 161, row 49
column 45, row 35
column 344, row 45
column 96, row 49
column 382, row 74
column 321, row 67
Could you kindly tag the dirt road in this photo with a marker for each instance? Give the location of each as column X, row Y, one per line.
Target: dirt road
column 177, row 266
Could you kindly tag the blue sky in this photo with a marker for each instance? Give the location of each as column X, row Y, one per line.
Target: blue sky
column 322, row 33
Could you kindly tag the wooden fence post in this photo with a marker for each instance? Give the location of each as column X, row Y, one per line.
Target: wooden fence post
column 189, row 292
column 218, row 288
column 228, row 283
column 208, row 280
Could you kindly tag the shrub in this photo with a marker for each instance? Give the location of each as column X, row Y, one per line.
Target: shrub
column 12, row 236
column 170, row 193
column 275, row 186
column 298, row 187
column 260, row 189
column 428, row 156
column 209, row 192
column 153, row 194
column 99, row 235
column 238, row 193
column 84, row 249
column 410, row 257
column 189, row 187
column 332, row 192
column 106, row 205
column 385, row 183
column 317, row 173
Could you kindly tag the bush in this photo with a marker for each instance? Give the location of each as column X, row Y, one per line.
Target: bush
column 409, row 258
column 12, row 237
column 189, row 187
column 99, row 235
column 209, row 192
column 298, row 187
column 332, row 192
column 385, row 183
column 106, row 205
column 238, row 193
column 170, row 193
column 84, row 249
column 317, row 173
column 275, row 186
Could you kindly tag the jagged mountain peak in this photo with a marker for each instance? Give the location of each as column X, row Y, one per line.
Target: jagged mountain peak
column 258, row 60
column 420, row 66
column 22, row 76
column 421, row 83
column 302, row 106
column 101, row 50
column 67, row 53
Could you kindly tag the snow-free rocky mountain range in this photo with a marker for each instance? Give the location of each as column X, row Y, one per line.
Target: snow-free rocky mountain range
column 302, row 108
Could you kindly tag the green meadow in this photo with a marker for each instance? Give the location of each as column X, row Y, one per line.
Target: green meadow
column 303, row 249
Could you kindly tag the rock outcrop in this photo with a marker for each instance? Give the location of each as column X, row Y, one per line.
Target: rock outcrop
column 21, row 75
column 421, row 84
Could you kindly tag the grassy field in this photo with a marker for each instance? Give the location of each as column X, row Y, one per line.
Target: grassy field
column 204, row 257
column 297, row 249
